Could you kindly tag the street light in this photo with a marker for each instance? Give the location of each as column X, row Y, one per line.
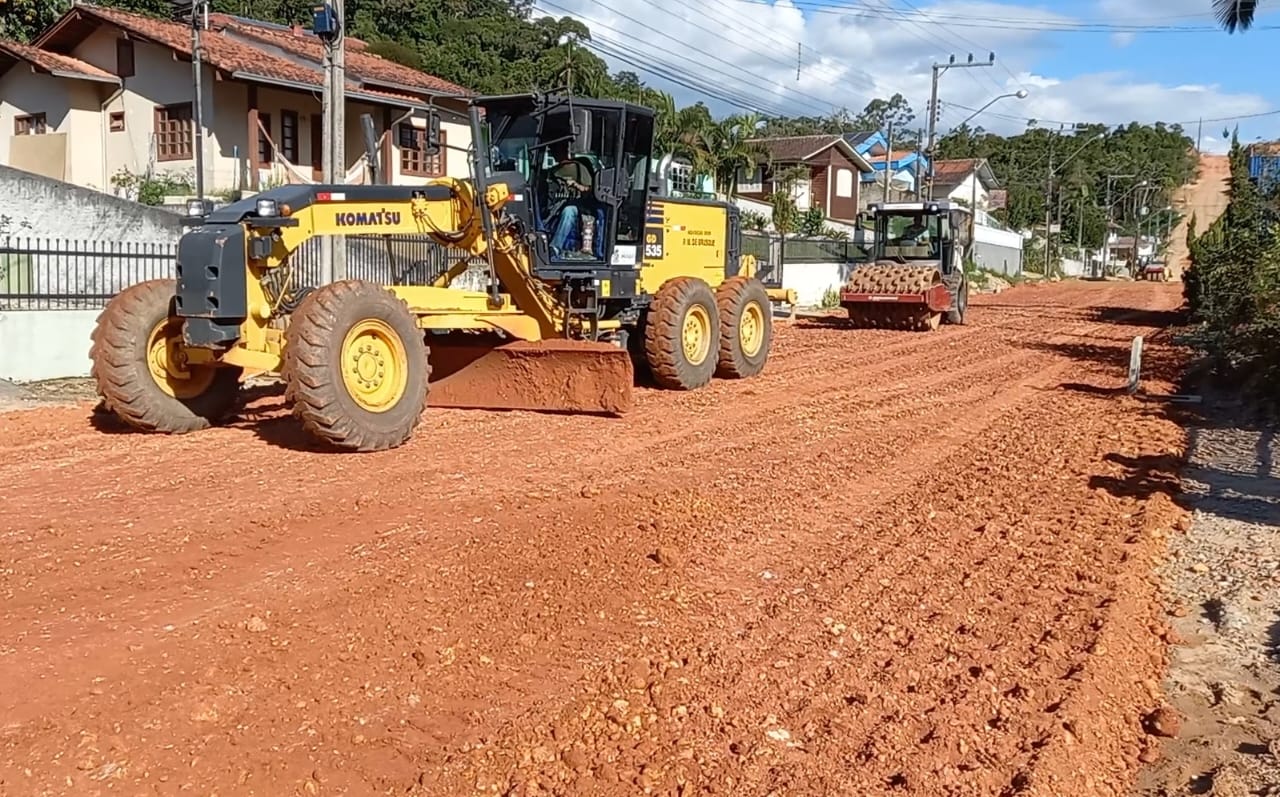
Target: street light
column 1020, row 94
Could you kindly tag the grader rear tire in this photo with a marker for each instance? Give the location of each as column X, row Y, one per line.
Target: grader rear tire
column 140, row 370
column 356, row 367
column 680, row 334
column 746, row 327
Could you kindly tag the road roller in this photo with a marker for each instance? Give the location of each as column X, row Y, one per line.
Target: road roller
column 915, row 277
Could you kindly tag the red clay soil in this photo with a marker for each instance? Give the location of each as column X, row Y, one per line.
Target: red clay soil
column 896, row 563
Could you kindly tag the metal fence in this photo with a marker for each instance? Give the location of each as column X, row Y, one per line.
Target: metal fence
column 773, row 253
column 58, row 274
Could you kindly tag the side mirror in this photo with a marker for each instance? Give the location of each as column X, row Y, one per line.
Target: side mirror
column 433, row 132
column 581, row 142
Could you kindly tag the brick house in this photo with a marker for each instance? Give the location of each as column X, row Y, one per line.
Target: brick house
column 103, row 91
column 833, row 172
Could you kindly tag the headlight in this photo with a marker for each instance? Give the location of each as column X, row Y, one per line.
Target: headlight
column 195, row 208
column 267, row 207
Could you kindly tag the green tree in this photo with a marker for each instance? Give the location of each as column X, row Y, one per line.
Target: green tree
column 1235, row 15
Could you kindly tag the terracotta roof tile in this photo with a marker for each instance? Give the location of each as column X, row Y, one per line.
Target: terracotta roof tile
column 221, row 51
column 363, row 66
column 50, row 62
column 232, row 45
column 786, row 149
column 955, row 169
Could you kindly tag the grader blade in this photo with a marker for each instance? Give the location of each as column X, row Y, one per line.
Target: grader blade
column 543, row 376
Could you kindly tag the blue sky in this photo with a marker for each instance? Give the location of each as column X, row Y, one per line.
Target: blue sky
column 739, row 54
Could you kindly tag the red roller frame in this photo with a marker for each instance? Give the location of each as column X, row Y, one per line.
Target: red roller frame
column 937, row 298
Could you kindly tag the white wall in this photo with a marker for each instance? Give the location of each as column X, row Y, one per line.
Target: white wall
column 811, row 280
column 964, row 192
column 70, row 109
column 39, row 206
column 60, row 336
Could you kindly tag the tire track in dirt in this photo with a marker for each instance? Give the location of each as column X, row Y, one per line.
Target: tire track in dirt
column 351, row 640
column 943, row 388
column 767, row 651
column 974, row 359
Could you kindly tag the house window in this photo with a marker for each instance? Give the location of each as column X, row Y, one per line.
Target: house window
column 751, row 182
column 844, row 183
column 289, row 135
column 174, row 134
column 124, row 58
column 264, row 140
column 30, row 125
column 117, row 121
column 680, row 179
column 414, row 160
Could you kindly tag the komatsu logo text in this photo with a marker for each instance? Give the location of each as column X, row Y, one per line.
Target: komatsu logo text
column 385, row 218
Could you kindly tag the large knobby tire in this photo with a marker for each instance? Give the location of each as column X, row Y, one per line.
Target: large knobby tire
column 681, row 333
column 957, row 314
column 746, row 327
column 356, row 367
column 140, row 371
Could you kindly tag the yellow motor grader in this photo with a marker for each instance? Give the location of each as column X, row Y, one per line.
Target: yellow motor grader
column 916, row 276
column 588, row 279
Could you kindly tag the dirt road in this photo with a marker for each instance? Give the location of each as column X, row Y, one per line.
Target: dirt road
column 897, row 563
column 1205, row 198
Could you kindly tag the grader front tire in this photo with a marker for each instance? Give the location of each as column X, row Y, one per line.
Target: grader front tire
column 140, row 369
column 356, row 367
column 746, row 328
column 680, row 334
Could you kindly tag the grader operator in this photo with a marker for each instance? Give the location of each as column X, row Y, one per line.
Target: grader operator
column 589, row 277
column 916, row 276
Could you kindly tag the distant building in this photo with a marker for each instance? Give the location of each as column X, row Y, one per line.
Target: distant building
column 102, row 92
column 832, row 173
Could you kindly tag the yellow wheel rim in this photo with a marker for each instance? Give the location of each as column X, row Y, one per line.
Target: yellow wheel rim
column 167, row 362
column 751, row 329
column 375, row 365
column 696, row 335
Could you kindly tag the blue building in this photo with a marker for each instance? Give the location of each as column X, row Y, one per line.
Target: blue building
column 907, row 166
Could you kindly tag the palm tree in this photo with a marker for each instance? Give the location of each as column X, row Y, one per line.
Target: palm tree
column 1235, row 14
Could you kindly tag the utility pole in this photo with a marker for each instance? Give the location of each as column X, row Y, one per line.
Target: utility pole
column 1048, row 209
column 329, row 25
column 934, row 110
column 888, row 161
column 198, row 11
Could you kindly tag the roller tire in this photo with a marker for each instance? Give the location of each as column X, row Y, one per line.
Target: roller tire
column 732, row 298
column 958, row 314
column 124, row 381
column 663, row 334
column 313, row 361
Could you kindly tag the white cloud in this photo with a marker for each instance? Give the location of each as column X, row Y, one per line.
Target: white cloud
column 1122, row 39
column 748, row 49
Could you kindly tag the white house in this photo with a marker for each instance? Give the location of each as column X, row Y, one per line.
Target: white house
column 103, row 93
column 967, row 180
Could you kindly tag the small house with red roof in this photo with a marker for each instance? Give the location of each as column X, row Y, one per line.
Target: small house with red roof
column 104, row 92
column 969, row 180
column 831, row 172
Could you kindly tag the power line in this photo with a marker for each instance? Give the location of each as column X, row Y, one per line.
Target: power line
column 998, row 23
column 1011, row 118
column 815, row 102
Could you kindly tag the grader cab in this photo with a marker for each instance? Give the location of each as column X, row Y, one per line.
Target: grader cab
column 587, row 276
column 915, row 278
